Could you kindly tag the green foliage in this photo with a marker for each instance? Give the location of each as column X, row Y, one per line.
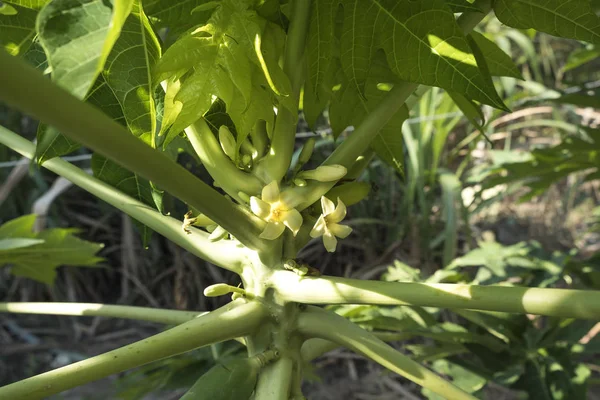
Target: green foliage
column 235, row 67
column 174, row 373
column 37, row 255
column 542, row 167
column 571, row 19
column 543, row 357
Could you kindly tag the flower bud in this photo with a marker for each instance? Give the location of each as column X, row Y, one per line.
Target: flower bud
column 218, row 289
column 244, row 197
column 306, row 152
column 299, row 182
column 325, row 173
column 227, row 142
column 218, row 234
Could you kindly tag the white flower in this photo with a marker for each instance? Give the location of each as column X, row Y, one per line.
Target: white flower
column 276, row 212
column 328, row 224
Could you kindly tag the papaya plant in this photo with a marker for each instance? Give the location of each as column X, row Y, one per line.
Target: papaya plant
column 139, row 81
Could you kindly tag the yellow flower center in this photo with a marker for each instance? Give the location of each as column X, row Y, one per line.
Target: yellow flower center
column 276, row 212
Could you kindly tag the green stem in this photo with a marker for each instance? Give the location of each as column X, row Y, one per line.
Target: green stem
column 567, row 303
column 223, row 253
column 316, row 322
column 277, row 161
column 219, row 166
column 275, row 380
column 295, row 44
column 226, row 323
column 168, row 317
column 259, row 137
column 26, row 89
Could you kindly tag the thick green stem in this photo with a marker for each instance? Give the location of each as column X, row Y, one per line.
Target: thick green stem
column 275, row 380
column 316, row 322
column 276, row 163
column 567, row 303
column 25, row 88
column 169, row 317
column 229, row 322
column 219, row 166
column 224, row 253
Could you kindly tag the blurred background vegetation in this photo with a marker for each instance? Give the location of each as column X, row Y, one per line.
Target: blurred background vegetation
column 486, row 198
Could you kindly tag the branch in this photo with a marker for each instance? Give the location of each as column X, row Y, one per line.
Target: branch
column 168, row 317
column 316, row 322
column 26, row 89
column 276, row 163
column 223, row 253
column 584, row 304
column 228, row 322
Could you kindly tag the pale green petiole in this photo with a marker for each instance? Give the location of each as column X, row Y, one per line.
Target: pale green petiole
column 569, row 303
column 233, row 320
column 163, row 316
column 315, row 322
column 224, row 253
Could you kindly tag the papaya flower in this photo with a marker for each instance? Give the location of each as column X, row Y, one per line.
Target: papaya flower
column 276, row 212
column 328, row 224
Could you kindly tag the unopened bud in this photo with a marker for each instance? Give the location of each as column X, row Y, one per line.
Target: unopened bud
column 325, row 173
column 306, row 152
column 299, row 182
column 244, row 197
column 218, row 289
column 227, row 142
column 217, row 234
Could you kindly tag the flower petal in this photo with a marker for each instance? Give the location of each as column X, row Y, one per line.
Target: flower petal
column 338, row 214
column 270, row 193
column 259, row 207
column 272, row 231
column 293, row 220
column 319, row 228
column 327, row 205
column 341, row 231
column 329, row 241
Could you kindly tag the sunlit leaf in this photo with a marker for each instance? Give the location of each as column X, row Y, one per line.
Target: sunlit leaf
column 498, row 62
column 422, row 43
column 37, row 255
column 573, row 19
column 77, row 36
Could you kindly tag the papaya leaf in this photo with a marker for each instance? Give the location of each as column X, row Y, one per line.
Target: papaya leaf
column 37, row 255
column 17, row 25
column 422, row 43
column 349, row 107
column 498, row 62
column 572, row 19
column 128, row 72
column 77, row 37
column 460, row 6
column 177, row 16
column 219, row 60
column 321, row 43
